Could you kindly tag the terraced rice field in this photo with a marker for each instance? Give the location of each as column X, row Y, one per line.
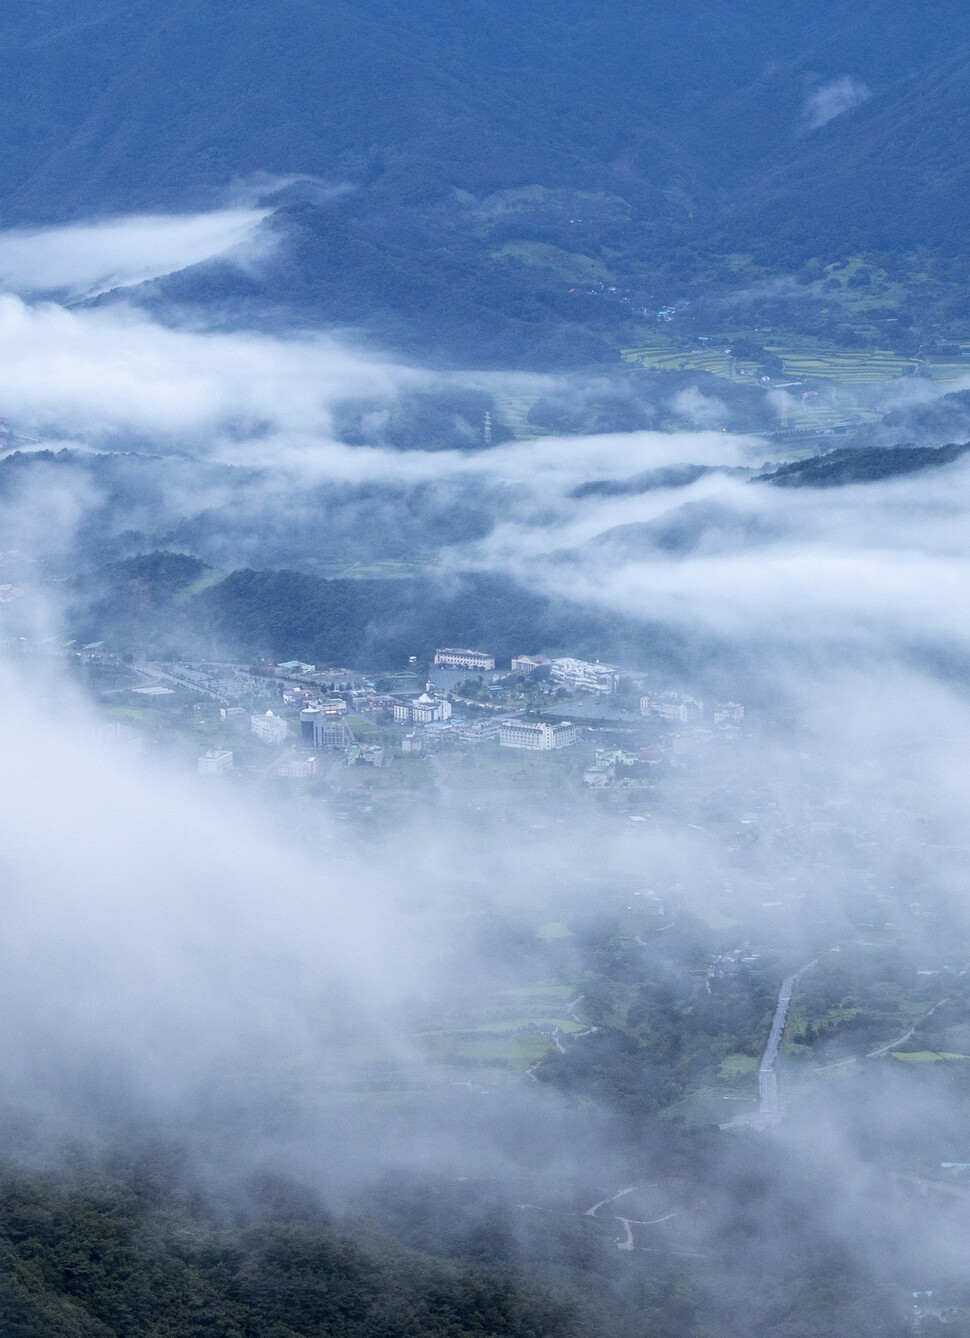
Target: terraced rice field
column 714, row 360
column 849, row 366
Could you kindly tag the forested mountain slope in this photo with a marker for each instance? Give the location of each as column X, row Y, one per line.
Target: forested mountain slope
column 110, row 106
column 502, row 184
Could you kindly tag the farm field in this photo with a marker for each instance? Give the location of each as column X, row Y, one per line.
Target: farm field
column 713, row 360
column 848, row 366
column 511, row 1029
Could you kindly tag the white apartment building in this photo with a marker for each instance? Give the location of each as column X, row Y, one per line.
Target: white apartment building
column 728, row 711
column 215, row 762
column 269, row 728
column 539, row 737
column 585, row 677
column 451, row 658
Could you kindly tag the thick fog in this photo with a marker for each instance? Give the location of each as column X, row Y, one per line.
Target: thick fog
column 234, row 969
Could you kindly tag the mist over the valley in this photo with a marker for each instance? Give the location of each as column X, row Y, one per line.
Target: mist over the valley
column 285, row 981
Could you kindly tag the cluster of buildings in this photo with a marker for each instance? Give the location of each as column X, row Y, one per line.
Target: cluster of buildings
column 567, row 672
column 616, row 767
column 435, row 714
column 429, row 715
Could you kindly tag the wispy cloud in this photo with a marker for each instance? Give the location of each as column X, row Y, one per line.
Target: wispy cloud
column 834, row 98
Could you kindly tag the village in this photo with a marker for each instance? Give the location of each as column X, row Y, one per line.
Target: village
column 593, row 726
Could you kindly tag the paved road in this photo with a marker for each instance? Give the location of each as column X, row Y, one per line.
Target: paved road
column 767, row 1073
column 900, row 1040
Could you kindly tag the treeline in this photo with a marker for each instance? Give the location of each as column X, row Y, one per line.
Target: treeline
column 126, row 1258
column 862, row 465
column 160, row 604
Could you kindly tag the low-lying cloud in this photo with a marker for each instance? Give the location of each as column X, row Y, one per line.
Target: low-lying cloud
column 83, row 259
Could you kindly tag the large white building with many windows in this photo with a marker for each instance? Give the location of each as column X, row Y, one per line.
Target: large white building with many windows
column 584, row 677
column 423, row 710
column 539, row 737
column 672, row 706
column 450, row 658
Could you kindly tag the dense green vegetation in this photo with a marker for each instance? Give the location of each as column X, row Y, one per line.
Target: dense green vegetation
column 503, row 184
column 662, row 1031
column 377, row 623
column 866, row 465
column 129, row 1257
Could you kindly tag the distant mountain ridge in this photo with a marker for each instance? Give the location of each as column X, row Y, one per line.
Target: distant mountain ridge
column 498, row 158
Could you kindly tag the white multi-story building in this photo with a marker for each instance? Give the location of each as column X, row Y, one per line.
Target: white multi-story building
column 269, row 728
column 215, row 762
column 423, row 710
column 450, row 658
column 728, row 711
column 584, row 677
column 672, row 706
column 331, row 734
column 297, row 768
column 478, row 731
column 539, row 737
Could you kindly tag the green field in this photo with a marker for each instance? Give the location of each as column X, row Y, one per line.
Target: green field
column 847, row 366
column 510, row 1029
column 713, row 360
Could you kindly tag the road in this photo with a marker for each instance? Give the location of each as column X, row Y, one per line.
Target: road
column 767, row 1073
column 901, row 1040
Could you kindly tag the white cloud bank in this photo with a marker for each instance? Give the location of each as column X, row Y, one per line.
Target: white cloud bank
column 88, row 258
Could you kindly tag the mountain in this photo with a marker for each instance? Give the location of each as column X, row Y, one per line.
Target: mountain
column 891, row 174
column 505, row 184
